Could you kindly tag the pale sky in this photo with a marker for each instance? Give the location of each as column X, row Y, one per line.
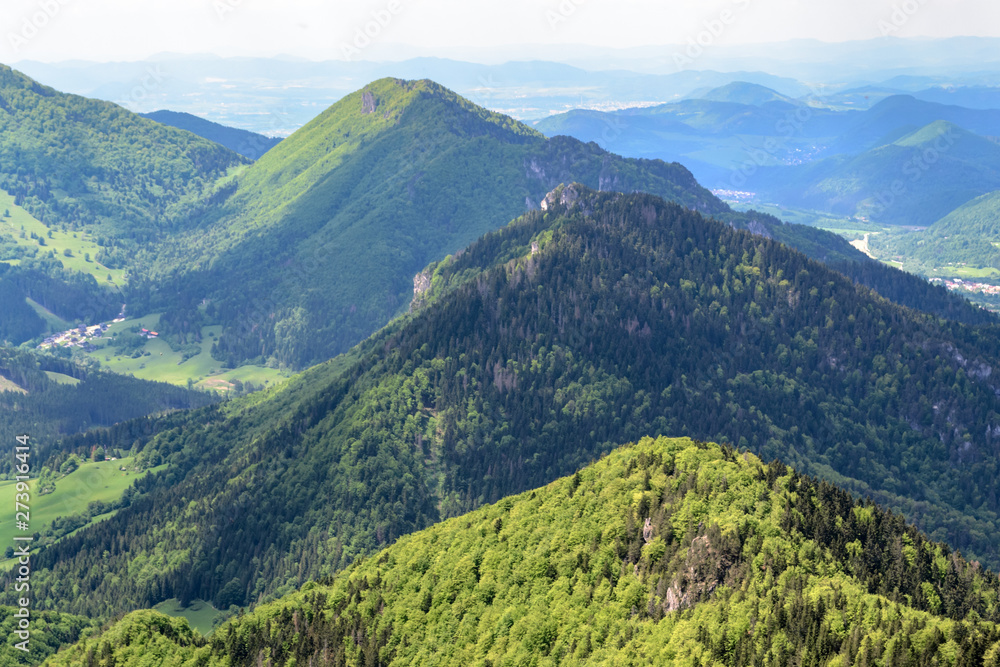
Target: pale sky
column 54, row 30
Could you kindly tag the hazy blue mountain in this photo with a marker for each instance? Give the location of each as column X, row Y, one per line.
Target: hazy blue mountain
column 248, row 144
column 972, row 97
column 742, row 92
column 913, row 180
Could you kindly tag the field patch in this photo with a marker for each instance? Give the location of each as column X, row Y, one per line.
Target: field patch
column 9, row 385
column 77, row 251
column 157, row 361
column 199, row 614
column 92, row 481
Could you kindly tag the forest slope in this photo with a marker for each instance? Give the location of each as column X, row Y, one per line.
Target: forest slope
column 665, row 552
column 594, row 322
column 324, row 233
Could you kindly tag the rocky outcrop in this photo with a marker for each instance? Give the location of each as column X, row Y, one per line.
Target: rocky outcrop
column 368, row 102
column 421, row 283
column 564, row 195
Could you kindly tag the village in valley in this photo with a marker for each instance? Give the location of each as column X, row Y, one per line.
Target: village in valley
column 82, row 336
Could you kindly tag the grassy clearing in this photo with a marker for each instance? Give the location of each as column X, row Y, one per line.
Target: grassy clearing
column 199, row 614
column 165, row 365
column 79, row 244
column 91, row 481
column 60, row 378
column 968, row 271
column 54, row 322
column 7, row 385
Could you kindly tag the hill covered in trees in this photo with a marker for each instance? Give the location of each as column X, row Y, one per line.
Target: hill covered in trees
column 324, row 233
column 315, row 246
column 89, row 168
column 80, row 163
column 597, row 321
column 967, row 236
column 664, row 552
column 914, row 180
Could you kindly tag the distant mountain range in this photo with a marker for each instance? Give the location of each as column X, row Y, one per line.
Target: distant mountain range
column 490, row 311
column 912, row 180
column 903, row 161
column 324, row 233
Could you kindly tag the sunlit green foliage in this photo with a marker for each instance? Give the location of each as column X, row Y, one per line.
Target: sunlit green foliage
column 665, row 552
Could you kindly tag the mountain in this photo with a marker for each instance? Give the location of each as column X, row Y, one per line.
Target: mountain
column 248, row 144
column 736, row 137
column 897, row 115
column 91, row 173
column 277, row 96
column 598, row 320
column 979, row 218
column 741, row 92
column 967, row 237
column 81, row 163
column 913, row 180
column 663, row 552
column 315, row 245
column 971, row 97
column 736, row 129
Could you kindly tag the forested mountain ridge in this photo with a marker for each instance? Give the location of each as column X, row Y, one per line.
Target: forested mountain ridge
column 663, row 552
column 913, row 180
column 325, row 232
column 890, row 282
column 89, row 168
column 331, row 226
column 76, row 162
column 966, row 236
column 596, row 321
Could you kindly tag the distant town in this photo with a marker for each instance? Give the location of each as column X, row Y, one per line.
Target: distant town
column 82, row 335
column 957, row 284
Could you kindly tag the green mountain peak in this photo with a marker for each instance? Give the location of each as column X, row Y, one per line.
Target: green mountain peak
column 664, row 551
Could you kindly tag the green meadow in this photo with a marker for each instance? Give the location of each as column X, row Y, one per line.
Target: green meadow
column 60, row 378
column 161, row 363
column 79, row 244
column 55, row 322
column 92, row 481
column 199, row 614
